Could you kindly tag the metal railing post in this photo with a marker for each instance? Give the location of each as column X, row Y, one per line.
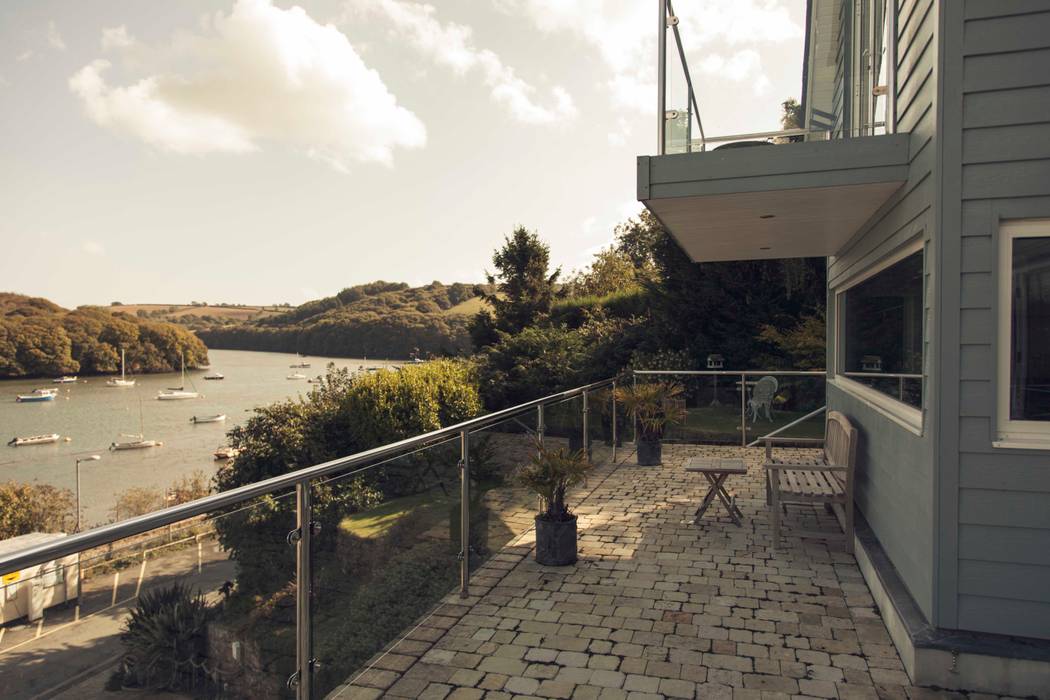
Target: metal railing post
column 743, row 410
column 614, row 421
column 540, row 425
column 464, row 513
column 661, row 80
column 634, row 419
column 301, row 679
column 586, row 432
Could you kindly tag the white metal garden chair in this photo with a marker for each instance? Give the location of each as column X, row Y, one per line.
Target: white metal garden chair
column 762, row 398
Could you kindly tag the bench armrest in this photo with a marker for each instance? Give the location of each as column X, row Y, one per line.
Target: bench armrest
column 816, row 442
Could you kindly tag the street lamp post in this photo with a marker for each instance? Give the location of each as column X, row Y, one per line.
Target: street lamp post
column 90, row 458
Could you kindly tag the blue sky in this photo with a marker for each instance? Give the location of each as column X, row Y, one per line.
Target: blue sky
column 255, row 151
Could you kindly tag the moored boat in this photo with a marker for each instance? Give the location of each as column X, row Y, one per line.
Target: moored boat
column 37, row 395
column 224, row 453
column 214, row 376
column 209, row 419
column 178, row 393
column 65, row 380
column 34, row 440
column 300, row 365
column 296, row 375
column 123, row 381
column 135, row 443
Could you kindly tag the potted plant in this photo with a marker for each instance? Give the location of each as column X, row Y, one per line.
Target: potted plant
column 653, row 407
column 549, row 473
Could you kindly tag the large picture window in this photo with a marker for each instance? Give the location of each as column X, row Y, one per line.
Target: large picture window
column 881, row 332
column 1024, row 331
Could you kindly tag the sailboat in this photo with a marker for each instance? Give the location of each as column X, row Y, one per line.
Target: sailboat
column 137, row 442
column 123, row 381
column 179, row 393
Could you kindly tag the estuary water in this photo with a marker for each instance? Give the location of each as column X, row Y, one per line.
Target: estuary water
column 95, row 415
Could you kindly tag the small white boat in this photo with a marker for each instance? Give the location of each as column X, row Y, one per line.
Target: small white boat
column 296, row 375
column 37, row 396
column 123, row 381
column 178, row 393
column 136, row 444
column 224, row 453
column 214, row 376
column 65, row 380
column 300, row 365
column 34, row 440
column 208, row 419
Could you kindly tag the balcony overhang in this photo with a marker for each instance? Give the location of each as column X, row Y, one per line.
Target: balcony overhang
column 772, row 201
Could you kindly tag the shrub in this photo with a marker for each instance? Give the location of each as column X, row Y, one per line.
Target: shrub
column 165, row 640
column 26, row 508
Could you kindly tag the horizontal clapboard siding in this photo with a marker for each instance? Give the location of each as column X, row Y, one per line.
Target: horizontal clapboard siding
column 1004, row 495
column 894, row 466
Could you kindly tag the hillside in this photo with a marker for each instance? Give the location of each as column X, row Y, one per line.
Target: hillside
column 41, row 339
column 379, row 319
column 198, row 315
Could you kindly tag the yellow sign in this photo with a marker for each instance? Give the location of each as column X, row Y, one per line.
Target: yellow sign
column 11, row 577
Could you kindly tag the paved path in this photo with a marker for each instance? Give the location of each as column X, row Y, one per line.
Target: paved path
column 657, row 607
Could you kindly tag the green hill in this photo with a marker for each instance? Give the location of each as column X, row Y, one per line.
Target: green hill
column 41, row 339
column 379, row 319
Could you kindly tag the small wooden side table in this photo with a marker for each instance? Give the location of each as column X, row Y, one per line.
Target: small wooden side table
column 716, row 471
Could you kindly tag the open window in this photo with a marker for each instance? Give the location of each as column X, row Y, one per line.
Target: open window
column 1024, row 334
column 880, row 336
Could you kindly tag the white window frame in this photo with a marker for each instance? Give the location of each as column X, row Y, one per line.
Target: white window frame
column 908, row 417
column 1025, row 434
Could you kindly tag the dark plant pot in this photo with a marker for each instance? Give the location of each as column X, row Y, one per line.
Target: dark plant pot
column 649, row 453
column 555, row 541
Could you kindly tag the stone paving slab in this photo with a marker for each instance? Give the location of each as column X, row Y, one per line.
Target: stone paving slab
column 657, row 607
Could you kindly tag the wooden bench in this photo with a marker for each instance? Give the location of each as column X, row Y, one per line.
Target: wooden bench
column 826, row 478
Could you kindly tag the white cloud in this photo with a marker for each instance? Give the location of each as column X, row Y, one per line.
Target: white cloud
column 742, row 66
column 450, row 44
column 54, row 39
column 257, row 76
column 116, row 38
column 24, row 56
column 93, row 248
column 624, row 34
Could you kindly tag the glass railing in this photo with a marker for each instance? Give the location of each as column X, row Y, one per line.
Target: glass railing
column 742, row 408
column 206, row 598
column 856, row 72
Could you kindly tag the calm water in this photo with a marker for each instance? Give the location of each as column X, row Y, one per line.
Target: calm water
column 95, row 415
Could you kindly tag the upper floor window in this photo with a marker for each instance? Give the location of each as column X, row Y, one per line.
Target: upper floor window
column 1024, row 331
column 881, row 337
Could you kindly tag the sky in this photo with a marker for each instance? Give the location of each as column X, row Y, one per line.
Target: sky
column 261, row 151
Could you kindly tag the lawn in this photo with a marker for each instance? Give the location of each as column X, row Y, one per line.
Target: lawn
column 375, row 522
column 722, row 424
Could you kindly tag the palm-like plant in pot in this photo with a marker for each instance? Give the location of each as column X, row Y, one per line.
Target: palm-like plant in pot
column 549, row 474
column 653, row 407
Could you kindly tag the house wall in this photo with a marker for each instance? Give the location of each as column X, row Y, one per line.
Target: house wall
column 994, row 534
column 895, row 474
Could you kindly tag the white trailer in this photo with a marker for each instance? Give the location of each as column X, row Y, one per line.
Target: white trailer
column 27, row 593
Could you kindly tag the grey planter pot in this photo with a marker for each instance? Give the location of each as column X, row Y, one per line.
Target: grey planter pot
column 555, row 541
column 650, row 453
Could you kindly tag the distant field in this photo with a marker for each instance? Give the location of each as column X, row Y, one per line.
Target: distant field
column 467, row 308
column 236, row 313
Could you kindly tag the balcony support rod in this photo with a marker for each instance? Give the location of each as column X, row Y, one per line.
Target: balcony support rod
column 464, row 514
column 661, row 81
column 688, row 82
column 792, row 424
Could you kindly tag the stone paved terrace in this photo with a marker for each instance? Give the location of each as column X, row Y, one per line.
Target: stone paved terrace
column 656, row 607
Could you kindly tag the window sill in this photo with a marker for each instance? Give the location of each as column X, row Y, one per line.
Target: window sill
column 900, row 413
column 1042, row 443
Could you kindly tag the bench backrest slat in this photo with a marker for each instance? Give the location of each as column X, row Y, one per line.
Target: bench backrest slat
column 840, row 444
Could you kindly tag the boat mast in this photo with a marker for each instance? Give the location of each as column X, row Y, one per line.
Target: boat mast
column 122, row 364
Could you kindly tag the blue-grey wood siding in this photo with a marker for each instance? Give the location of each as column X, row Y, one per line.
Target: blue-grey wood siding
column 1002, row 581
column 895, row 476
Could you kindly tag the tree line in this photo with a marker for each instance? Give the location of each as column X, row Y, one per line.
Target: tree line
column 41, row 339
column 379, row 319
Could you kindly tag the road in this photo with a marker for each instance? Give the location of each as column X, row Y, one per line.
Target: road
column 69, row 653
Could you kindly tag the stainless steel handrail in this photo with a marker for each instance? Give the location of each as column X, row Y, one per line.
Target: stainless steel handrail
column 731, row 373
column 96, row 537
